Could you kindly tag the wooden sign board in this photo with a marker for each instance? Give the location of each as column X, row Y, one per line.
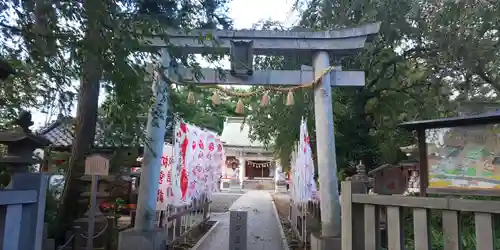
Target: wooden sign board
column 390, row 181
column 467, row 162
column 97, row 165
column 238, row 230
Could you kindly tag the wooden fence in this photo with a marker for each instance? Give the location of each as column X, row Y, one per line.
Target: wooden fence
column 178, row 223
column 362, row 217
column 22, row 210
column 304, row 217
column 181, row 221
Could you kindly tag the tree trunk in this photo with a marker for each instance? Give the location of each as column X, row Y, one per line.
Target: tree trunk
column 366, row 154
column 86, row 118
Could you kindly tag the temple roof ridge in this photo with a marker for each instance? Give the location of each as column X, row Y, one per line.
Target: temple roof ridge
column 236, row 133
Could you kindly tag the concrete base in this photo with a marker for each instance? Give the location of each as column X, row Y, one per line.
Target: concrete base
column 280, row 189
column 49, row 244
column 131, row 239
column 225, row 185
column 235, row 186
column 319, row 242
column 207, row 234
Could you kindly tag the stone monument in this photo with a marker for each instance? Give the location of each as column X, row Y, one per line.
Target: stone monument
column 238, row 230
column 21, row 143
column 235, row 180
column 279, row 179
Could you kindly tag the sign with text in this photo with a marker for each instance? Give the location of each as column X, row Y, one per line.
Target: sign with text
column 238, row 230
column 96, row 165
column 165, row 194
column 466, row 157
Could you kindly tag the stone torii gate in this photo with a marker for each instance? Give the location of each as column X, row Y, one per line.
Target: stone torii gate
column 241, row 46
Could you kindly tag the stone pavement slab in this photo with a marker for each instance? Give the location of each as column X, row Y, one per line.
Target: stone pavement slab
column 263, row 230
column 221, row 202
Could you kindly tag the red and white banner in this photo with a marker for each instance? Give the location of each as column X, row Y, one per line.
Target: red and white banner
column 165, row 194
column 191, row 167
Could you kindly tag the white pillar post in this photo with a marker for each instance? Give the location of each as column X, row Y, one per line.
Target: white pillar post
column 151, row 163
column 242, row 170
column 273, row 169
column 325, row 142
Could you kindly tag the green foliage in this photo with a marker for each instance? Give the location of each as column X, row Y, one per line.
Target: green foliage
column 466, row 227
column 411, row 68
column 100, row 43
column 426, row 51
column 130, row 126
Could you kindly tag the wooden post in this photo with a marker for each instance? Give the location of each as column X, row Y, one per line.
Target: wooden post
column 95, row 165
column 346, row 215
column 92, row 212
column 32, row 226
column 238, row 230
column 423, row 164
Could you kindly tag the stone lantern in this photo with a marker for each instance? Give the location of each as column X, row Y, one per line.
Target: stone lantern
column 21, row 143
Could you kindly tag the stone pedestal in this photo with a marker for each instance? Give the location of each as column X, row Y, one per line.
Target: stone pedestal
column 319, row 242
column 235, row 185
column 241, row 172
column 102, row 232
column 132, row 239
column 224, row 185
column 280, row 186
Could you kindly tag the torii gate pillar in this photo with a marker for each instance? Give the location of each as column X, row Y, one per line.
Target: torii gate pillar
column 326, row 155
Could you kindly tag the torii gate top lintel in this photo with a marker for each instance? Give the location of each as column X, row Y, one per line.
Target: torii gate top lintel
column 343, row 41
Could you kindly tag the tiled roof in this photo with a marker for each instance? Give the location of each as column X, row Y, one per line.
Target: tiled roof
column 236, row 133
column 61, row 134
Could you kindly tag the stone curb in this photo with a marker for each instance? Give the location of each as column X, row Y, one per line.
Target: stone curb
column 282, row 232
column 202, row 239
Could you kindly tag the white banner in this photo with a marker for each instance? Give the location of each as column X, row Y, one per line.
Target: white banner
column 303, row 183
column 164, row 193
column 191, row 167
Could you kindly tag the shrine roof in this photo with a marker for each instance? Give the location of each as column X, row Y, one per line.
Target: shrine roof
column 60, row 133
column 236, row 133
column 15, row 136
column 384, row 166
column 481, row 119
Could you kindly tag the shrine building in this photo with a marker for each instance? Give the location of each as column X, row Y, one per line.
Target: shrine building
column 249, row 161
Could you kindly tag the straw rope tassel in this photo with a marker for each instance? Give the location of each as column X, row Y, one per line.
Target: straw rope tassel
column 215, row 98
column 240, row 107
column 190, row 98
column 289, row 98
column 264, row 102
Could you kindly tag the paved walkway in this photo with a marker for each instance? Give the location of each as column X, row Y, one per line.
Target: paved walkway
column 263, row 229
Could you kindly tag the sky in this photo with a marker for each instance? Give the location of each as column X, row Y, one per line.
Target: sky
column 244, row 14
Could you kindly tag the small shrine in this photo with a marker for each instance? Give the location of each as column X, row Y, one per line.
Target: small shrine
column 21, row 143
column 248, row 160
column 402, row 178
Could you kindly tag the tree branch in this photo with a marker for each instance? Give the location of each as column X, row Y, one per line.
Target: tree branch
column 13, row 28
column 485, row 77
column 404, row 90
column 417, row 52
